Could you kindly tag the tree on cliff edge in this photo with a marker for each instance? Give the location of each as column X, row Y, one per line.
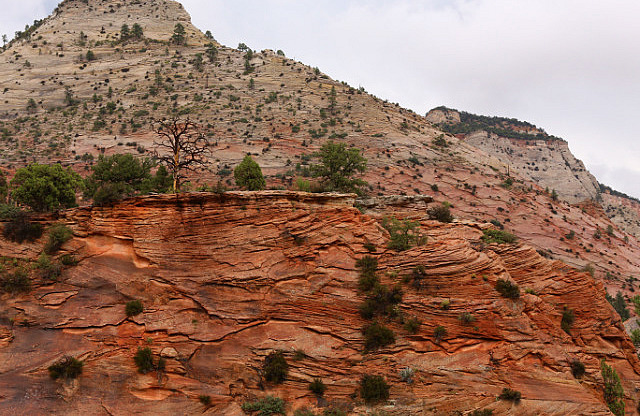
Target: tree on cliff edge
column 338, row 166
column 182, row 147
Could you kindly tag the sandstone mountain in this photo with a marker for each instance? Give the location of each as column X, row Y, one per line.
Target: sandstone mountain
column 227, row 279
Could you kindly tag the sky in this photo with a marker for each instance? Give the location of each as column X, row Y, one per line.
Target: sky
column 571, row 67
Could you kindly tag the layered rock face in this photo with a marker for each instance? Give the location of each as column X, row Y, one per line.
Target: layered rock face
column 540, row 159
column 226, row 279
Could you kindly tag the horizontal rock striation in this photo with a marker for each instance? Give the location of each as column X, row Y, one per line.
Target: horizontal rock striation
column 225, row 279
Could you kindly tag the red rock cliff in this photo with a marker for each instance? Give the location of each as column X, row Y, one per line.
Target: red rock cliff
column 226, row 279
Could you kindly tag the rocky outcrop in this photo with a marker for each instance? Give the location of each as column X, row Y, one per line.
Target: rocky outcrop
column 227, row 278
column 550, row 164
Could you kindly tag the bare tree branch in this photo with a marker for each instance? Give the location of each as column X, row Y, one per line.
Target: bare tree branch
column 182, row 147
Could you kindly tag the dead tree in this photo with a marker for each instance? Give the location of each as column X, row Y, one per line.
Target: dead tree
column 182, row 147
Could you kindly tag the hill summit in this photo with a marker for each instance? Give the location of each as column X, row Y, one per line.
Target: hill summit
column 186, row 303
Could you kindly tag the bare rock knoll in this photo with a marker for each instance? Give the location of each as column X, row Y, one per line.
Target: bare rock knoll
column 226, row 279
column 529, row 151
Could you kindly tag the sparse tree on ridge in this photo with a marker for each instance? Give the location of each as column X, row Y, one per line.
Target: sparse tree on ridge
column 179, row 34
column 182, row 147
column 338, row 166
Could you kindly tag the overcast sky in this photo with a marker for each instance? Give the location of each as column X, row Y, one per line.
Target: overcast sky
column 571, row 67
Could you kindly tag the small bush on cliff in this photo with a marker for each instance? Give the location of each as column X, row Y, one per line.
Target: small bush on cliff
column 205, row 399
column 417, row 277
column 635, row 337
column 144, row 360
column 404, row 233
column 568, row 317
column 508, row 289
column 441, row 213
column 248, row 175
column 376, row 336
column 15, row 283
column 4, row 188
column 367, row 266
column 466, row 318
column 67, row 368
column 498, row 236
column 381, row 301
column 317, row 387
column 439, row 333
column 49, row 270
column 483, row 412
column 275, row 367
column 133, row 308
column 613, row 392
column 58, row 235
column 19, row 229
column 577, row 368
column 510, row 395
column 45, row 187
column 266, row 406
column 620, row 305
column 412, row 325
column 373, row 389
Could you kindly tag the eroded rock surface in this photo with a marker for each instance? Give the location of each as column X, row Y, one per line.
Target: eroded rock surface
column 226, row 279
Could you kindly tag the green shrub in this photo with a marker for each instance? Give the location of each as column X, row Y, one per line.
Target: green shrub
column 404, row 234
column 266, row 406
column 483, row 412
column 381, row 301
column 510, row 395
column 144, row 360
column 508, row 289
column 16, row 283
column 376, row 336
column 19, row 229
column 418, row 274
column 613, row 392
column 412, row 325
column 466, row 318
column 91, row 56
column 338, row 167
column 635, row 337
column 68, row 260
column 205, row 399
column 441, row 213
column 122, row 175
column 45, row 188
column 373, row 389
column 49, row 270
column 498, row 236
column 620, row 305
column 333, row 412
column 406, row 375
column 58, row 235
column 368, row 279
column 275, row 367
column 445, row 304
column 577, row 368
column 567, row 320
column 439, row 333
column 133, row 308
column 317, row 387
column 67, row 368
column 248, row 175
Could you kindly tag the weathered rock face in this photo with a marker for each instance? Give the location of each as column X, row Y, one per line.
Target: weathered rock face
column 550, row 164
column 226, row 279
column 533, row 155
